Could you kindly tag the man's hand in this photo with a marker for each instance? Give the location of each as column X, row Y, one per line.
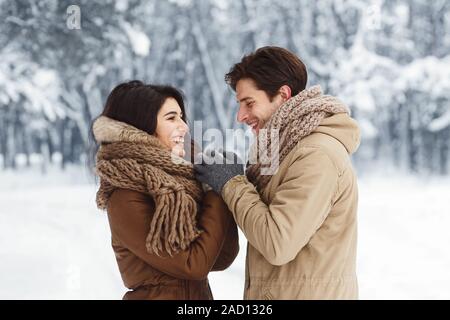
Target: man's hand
column 218, row 169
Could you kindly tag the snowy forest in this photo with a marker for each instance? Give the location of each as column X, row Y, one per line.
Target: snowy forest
column 388, row 60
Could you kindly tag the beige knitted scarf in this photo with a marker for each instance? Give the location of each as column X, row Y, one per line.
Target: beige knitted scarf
column 129, row 158
column 293, row 120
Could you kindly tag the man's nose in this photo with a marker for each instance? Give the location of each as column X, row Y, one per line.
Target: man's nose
column 242, row 115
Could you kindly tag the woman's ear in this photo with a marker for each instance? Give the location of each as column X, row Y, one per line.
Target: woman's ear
column 285, row 92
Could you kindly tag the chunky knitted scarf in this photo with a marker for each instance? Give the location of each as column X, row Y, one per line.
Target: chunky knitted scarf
column 129, row 158
column 293, row 120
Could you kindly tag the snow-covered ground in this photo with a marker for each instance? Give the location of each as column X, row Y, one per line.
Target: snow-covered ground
column 55, row 244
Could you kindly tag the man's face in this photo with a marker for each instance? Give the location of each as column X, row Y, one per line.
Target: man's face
column 255, row 107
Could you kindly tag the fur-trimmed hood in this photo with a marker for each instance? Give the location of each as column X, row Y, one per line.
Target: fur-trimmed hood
column 108, row 130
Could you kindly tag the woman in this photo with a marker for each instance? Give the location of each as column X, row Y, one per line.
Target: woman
column 167, row 234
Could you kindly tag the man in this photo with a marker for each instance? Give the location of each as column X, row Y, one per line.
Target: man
column 300, row 222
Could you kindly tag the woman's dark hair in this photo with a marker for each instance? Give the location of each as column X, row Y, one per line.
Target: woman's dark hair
column 270, row 68
column 136, row 104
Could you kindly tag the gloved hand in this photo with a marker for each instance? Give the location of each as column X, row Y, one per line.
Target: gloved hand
column 217, row 169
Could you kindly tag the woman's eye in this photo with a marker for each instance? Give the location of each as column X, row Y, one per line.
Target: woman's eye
column 171, row 118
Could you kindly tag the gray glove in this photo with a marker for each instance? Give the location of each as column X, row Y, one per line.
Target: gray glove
column 217, row 169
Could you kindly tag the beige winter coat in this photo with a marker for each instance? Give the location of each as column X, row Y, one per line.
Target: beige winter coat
column 302, row 231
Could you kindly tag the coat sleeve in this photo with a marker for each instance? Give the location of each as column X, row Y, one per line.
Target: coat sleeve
column 229, row 250
column 130, row 215
column 302, row 201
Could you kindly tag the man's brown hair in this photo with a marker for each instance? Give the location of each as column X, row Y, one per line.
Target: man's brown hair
column 270, row 68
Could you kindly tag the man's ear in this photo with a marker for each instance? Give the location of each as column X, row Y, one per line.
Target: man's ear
column 285, row 92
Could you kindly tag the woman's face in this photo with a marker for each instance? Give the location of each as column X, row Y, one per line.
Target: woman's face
column 171, row 128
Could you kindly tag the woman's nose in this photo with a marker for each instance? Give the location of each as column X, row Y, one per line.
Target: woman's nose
column 184, row 128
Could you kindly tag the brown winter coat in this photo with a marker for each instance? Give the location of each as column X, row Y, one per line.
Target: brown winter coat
column 183, row 276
